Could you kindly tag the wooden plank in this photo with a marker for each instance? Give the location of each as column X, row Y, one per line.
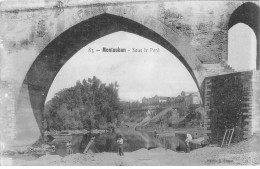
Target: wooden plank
column 231, row 137
column 89, row 144
column 223, row 138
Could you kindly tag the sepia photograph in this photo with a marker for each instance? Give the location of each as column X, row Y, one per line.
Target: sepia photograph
column 129, row 83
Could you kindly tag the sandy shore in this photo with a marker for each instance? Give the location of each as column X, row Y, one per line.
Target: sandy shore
column 153, row 157
column 243, row 153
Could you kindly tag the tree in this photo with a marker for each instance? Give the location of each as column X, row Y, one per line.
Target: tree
column 89, row 104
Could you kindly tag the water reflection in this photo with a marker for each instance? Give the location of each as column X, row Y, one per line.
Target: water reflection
column 79, row 142
column 107, row 142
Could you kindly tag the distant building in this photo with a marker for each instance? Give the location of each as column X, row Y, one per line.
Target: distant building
column 183, row 93
column 155, row 100
column 150, row 101
column 192, row 97
column 163, row 99
column 185, row 99
column 196, row 98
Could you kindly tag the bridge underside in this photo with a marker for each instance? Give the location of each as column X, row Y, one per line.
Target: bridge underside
column 47, row 37
column 44, row 69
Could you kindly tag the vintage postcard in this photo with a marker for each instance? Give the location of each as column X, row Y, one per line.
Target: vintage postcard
column 129, row 83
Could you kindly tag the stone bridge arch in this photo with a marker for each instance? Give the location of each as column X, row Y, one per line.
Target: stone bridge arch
column 248, row 13
column 51, row 59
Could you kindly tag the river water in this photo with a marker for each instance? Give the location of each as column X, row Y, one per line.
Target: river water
column 107, row 142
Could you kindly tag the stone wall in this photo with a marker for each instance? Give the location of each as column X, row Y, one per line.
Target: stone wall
column 196, row 32
column 17, row 126
column 7, row 112
column 231, row 101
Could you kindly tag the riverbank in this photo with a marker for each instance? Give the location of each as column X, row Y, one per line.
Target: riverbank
column 144, row 157
column 243, row 153
column 154, row 157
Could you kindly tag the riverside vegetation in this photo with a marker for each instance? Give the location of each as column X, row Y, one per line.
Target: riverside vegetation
column 89, row 104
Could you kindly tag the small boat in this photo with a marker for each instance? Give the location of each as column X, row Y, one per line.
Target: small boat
column 96, row 131
column 62, row 136
column 67, row 135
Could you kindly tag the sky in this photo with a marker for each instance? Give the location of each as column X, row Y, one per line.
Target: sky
column 139, row 74
column 146, row 74
column 242, row 48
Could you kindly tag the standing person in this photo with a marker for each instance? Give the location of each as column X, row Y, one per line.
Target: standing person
column 53, row 148
column 187, row 141
column 120, row 143
column 69, row 148
column 155, row 134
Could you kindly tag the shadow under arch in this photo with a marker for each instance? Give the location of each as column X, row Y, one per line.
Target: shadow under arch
column 248, row 13
column 46, row 66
